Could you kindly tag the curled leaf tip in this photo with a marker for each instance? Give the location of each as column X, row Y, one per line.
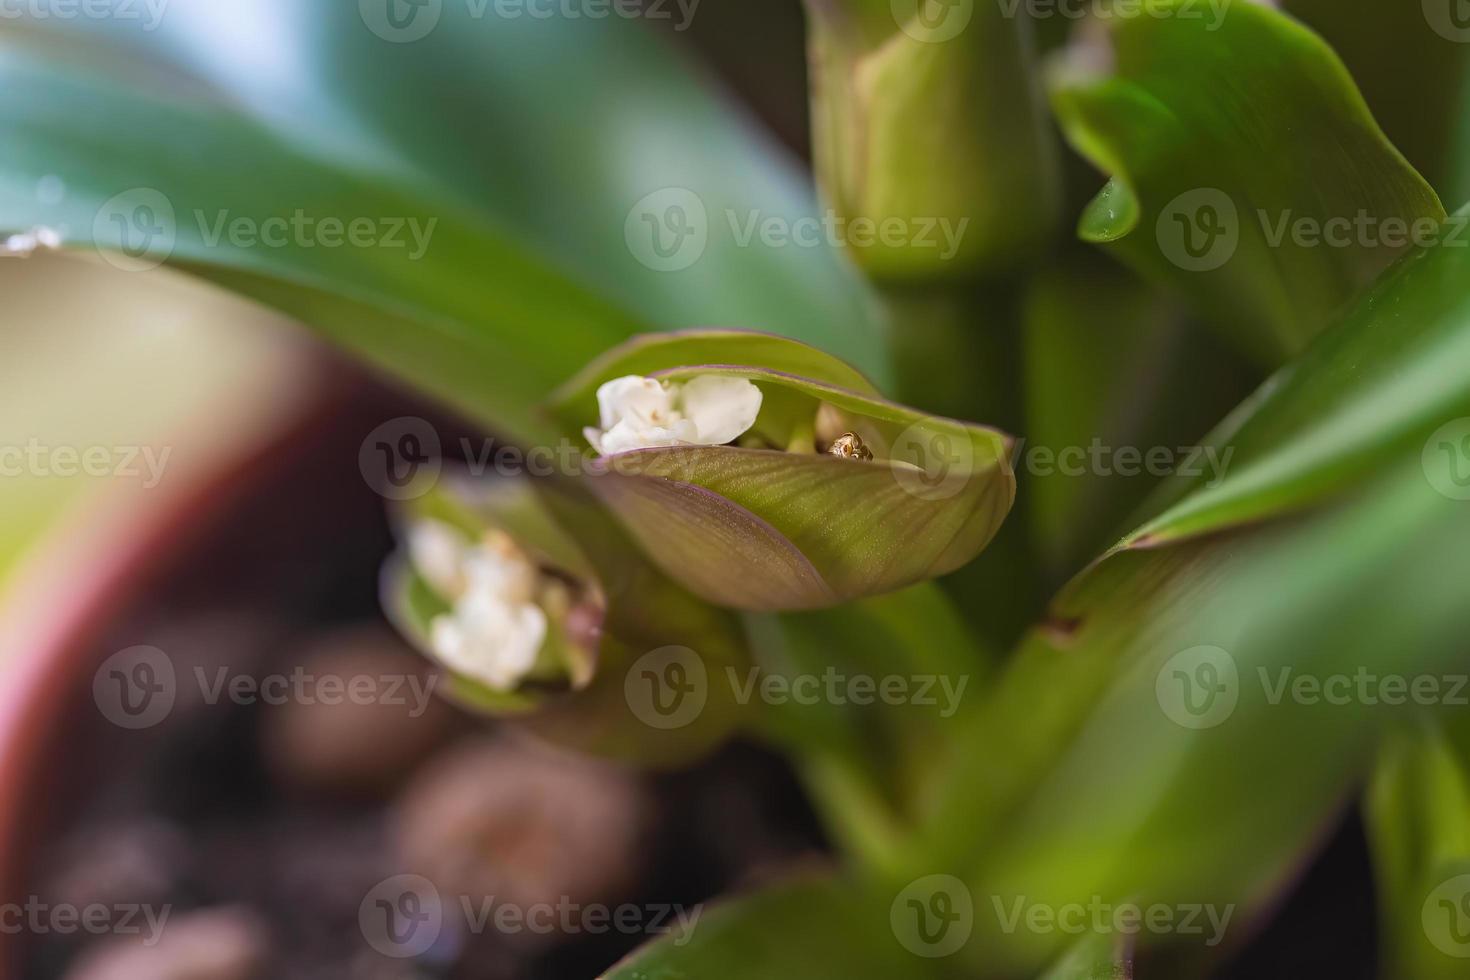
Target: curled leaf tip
column 787, row 489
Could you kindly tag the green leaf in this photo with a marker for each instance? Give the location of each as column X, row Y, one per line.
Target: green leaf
column 1095, row 772
column 431, row 319
column 1083, row 782
column 766, row 529
column 655, row 352
column 1220, row 137
column 1097, row 957
column 813, row 927
column 1379, row 383
column 824, row 926
column 873, row 757
column 335, row 126
column 1418, row 814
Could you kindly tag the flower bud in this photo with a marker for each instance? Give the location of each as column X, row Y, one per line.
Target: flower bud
column 538, row 607
column 824, row 493
column 930, row 135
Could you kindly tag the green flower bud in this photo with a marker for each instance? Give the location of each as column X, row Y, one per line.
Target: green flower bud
column 930, row 135
column 824, row 492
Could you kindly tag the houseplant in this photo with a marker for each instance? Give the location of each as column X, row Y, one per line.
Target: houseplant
column 1146, row 742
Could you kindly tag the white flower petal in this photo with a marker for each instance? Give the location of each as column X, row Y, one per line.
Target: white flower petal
column 507, row 577
column 490, row 640
column 594, row 438
column 438, row 553
column 722, row 409
column 642, row 413
column 628, row 435
column 644, row 400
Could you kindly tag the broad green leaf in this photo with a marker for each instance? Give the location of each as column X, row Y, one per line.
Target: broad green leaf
column 432, row 318
column 869, row 696
column 825, row 926
column 261, row 98
column 1097, row 772
column 1383, row 381
column 1092, row 775
column 567, row 133
column 1095, row 958
column 1418, row 814
column 811, row 927
column 767, row 529
column 1246, row 169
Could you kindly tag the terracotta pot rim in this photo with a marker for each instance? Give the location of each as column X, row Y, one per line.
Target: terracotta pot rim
column 66, row 594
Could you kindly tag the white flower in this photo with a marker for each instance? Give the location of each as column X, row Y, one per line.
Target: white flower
column 494, row 630
column 490, row 640
column 643, row 413
column 438, row 553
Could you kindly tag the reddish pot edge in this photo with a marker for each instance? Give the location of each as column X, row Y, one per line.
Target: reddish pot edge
column 65, row 595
